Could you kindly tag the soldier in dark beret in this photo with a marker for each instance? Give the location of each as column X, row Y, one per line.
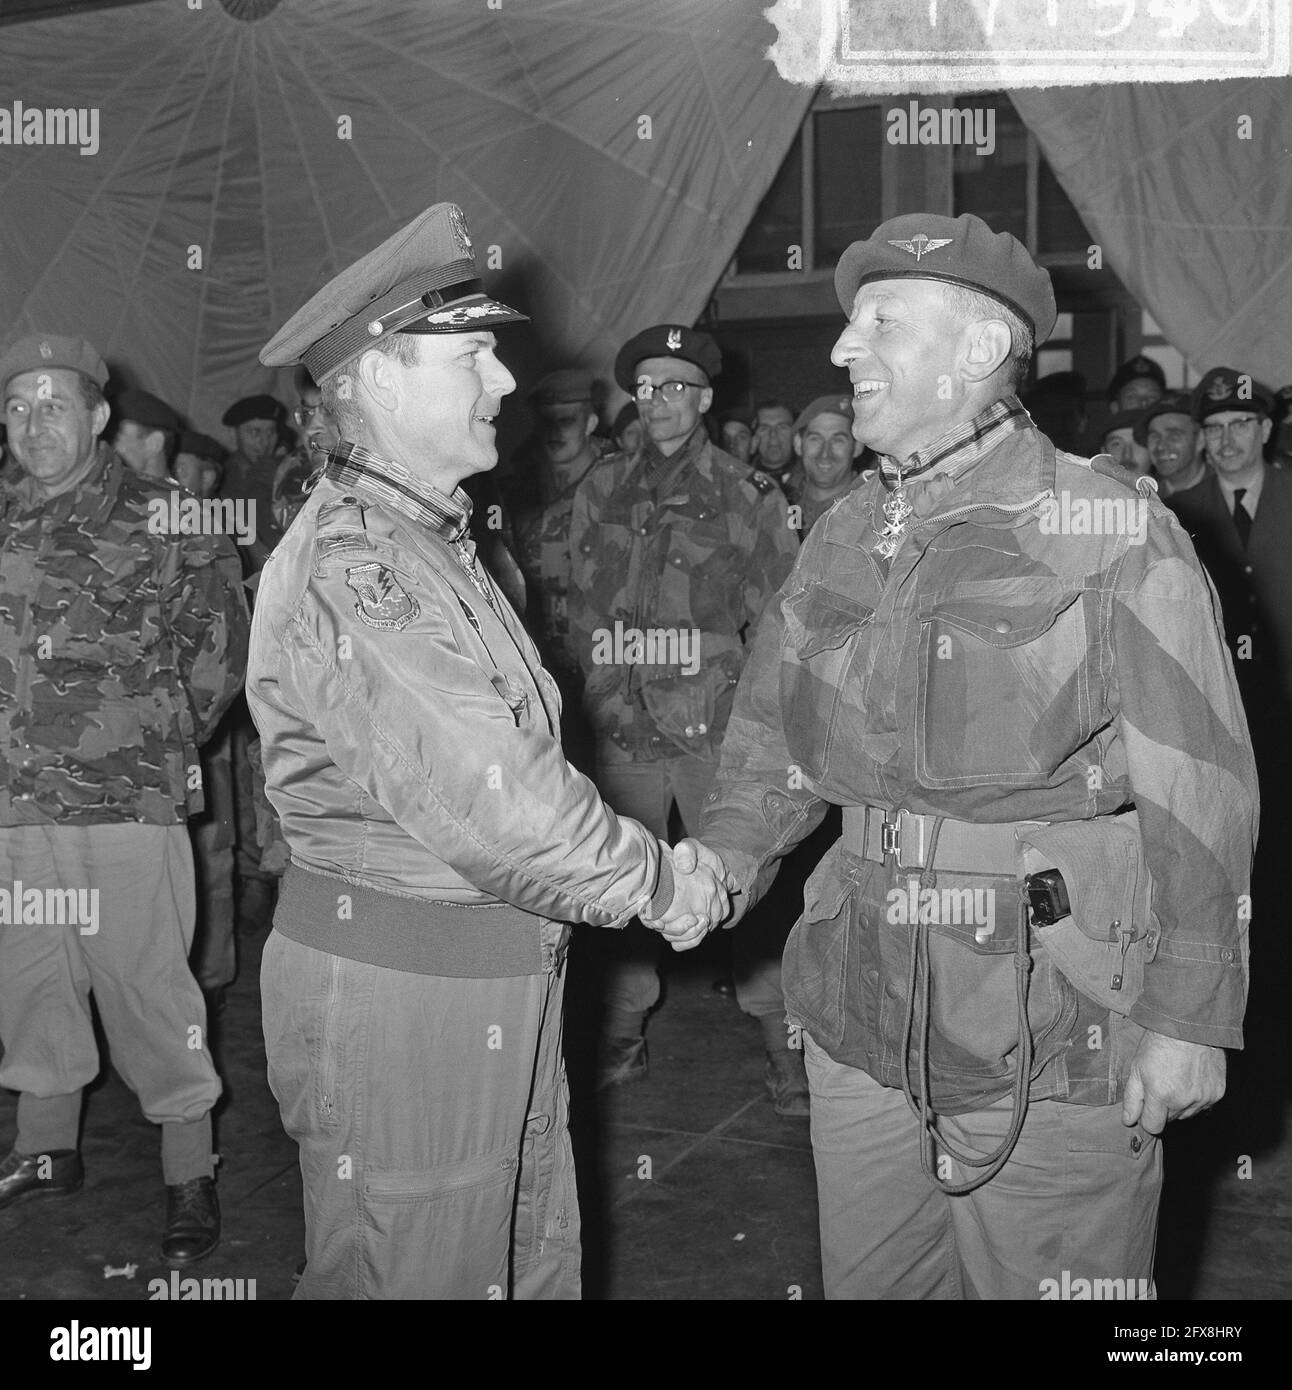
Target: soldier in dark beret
column 1171, row 436
column 736, row 433
column 250, row 467
column 1136, row 383
column 673, row 553
column 146, row 434
column 199, row 463
column 987, row 652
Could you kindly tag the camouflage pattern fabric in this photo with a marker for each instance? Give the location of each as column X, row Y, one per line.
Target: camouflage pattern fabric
column 697, row 557
column 1002, row 670
column 543, row 552
column 119, row 651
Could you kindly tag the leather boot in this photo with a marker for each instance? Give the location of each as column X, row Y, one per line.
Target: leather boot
column 25, row 1176
column 192, row 1221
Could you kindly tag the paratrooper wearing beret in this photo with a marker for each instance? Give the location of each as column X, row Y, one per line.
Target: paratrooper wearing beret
column 985, row 654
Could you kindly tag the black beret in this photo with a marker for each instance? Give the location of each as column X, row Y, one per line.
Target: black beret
column 1176, row 403
column 1133, row 370
column 427, row 265
column 253, row 408
column 666, row 340
column 202, row 446
column 569, row 386
column 1223, row 388
column 959, row 250
column 147, row 410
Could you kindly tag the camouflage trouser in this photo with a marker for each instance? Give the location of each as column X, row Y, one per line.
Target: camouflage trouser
column 432, row 1117
column 1077, row 1200
column 646, row 791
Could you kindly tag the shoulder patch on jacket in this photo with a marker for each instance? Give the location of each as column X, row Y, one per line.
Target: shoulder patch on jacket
column 384, row 603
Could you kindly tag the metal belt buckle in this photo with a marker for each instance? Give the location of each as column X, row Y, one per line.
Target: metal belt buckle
column 903, row 838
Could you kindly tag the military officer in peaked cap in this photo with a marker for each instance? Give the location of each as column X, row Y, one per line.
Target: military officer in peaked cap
column 987, row 682
column 440, row 843
column 682, row 541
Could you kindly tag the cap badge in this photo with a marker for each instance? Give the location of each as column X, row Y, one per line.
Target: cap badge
column 1220, row 389
column 1142, row 364
column 46, row 351
column 674, row 340
column 920, row 245
column 458, row 226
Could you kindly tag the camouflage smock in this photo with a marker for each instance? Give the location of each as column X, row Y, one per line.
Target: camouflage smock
column 996, row 672
column 700, row 554
column 120, row 648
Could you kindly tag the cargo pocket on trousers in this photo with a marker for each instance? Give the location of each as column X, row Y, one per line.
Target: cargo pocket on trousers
column 442, row 1233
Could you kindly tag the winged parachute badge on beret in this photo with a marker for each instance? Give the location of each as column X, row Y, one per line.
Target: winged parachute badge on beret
column 1220, row 388
column 920, row 244
column 674, row 339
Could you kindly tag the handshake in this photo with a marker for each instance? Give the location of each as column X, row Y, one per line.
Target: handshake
column 701, row 895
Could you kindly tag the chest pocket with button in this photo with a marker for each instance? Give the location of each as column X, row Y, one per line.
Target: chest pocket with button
column 1002, row 683
column 823, row 631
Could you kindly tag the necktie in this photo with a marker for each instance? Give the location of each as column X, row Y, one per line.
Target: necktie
column 1242, row 520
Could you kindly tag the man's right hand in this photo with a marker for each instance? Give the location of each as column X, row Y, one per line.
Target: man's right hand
column 700, row 896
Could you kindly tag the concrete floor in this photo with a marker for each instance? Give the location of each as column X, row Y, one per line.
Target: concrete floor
column 728, row 1211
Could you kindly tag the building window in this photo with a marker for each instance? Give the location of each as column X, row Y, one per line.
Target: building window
column 847, row 187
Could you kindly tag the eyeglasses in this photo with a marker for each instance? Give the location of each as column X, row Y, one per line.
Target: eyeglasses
column 669, row 390
column 303, row 414
column 1239, row 427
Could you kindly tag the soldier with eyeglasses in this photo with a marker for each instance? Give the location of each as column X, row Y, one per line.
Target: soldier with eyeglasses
column 682, row 544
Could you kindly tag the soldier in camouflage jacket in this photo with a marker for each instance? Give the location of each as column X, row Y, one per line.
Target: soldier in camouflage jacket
column 121, row 643
column 673, row 553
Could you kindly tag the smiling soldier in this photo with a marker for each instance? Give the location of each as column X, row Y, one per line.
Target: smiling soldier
column 1003, row 707
column 440, row 843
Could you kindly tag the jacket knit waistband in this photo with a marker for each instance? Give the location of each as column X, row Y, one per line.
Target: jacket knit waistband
column 418, row 935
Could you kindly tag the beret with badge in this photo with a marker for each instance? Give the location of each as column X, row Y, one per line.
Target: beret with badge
column 1223, row 388
column 957, row 250
column 253, row 408
column 824, row 405
column 38, row 351
column 667, row 340
column 1139, row 368
column 420, row 280
column 143, row 408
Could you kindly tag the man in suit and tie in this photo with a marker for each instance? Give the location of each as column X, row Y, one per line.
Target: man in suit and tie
column 1240, row 517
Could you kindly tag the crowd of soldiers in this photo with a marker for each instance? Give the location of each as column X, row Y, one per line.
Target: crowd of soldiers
column 641, row 553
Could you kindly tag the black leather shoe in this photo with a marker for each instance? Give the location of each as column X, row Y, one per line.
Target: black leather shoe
column 192, row 1221
column 54, row 1174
